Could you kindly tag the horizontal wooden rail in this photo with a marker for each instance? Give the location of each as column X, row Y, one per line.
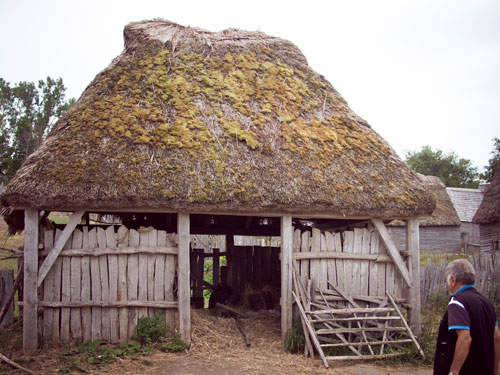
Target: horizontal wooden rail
column 327, row 331
column 154, row 304
column 358, row 318
column 403, row 341
column 378, row 258
column 361, row 310
column 156, row 250
column 358, row 357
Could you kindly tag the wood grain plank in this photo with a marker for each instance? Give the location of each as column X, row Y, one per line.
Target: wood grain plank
column 95, row 277
column 331, row 268
column 365, row 265
column 56, row 313
column 66, row 294
column 159, row 277
column 103, row 269
column 48, row 292
column 152, row 241
column 76, row 287
column 305, row 246
column 30, row 321
column 323, row 266
column 122, row 241
column 143, row 274
column 286, row 275
column 133, row 281
column 86, row 290
column 339, row 264
column 356, row 265
column 183, row 279
column 113, row 285
column 314, row 265
column 170, row 267
column 348, row 264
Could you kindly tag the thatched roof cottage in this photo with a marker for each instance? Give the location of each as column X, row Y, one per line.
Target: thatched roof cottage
column 441, row 230
column 488, row 216
column 211, row 132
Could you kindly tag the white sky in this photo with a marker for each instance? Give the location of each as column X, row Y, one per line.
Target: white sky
column 420, row 72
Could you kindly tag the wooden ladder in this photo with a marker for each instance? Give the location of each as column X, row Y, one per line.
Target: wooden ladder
column 368, row 332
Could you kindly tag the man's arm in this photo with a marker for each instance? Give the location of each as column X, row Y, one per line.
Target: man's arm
column 461, row 350
column 497, row 351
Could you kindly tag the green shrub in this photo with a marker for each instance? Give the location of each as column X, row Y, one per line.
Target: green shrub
column 150, row 330
column 294, row 340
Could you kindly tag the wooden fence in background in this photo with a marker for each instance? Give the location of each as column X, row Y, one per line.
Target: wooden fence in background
column 103, row 282
column 433, row 286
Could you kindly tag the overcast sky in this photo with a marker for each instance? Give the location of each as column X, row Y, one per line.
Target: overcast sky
column 420, row 72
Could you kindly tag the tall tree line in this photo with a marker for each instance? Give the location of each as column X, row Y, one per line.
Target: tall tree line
column 27, row 113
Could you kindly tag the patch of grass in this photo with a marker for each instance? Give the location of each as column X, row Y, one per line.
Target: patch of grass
column 150, row 334
column 437, row 257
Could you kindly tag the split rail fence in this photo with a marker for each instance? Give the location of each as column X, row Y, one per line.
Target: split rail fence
column 103, row 282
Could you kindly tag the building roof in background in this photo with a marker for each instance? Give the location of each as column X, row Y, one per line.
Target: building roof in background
column 489, row 210
column 466, row 202
column 444, row 214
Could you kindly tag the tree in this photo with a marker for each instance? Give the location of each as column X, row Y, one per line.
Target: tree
column 27, row 113
column 493, row 163
column 453, row 170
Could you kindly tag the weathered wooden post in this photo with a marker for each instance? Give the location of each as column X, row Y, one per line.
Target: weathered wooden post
column 286, row 274
column 30, row 301
column 183, row 277
column 413, row 247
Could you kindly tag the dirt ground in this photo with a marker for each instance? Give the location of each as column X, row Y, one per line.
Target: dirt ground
column 218, row 348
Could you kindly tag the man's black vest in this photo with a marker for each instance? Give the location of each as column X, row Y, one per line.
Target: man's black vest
column 482, row 324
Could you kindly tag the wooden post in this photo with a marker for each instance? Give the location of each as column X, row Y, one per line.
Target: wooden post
column 412, row 245
column 215, row 267
column 286, row 274
column 183, row 277
column 30, row 310
column 230, row 259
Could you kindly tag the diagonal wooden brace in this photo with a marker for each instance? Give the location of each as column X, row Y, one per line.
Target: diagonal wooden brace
column 58, row 246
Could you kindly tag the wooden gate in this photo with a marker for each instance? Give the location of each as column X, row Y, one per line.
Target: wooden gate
column 346, row 285
column 103, row 282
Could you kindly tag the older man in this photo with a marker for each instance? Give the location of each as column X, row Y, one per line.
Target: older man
column 469, row 339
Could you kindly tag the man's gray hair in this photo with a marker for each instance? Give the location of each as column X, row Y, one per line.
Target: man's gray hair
column 463, row 271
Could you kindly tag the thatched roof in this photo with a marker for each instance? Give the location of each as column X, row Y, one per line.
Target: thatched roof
column 445, row 213
column 489, row 210
column 233, row 121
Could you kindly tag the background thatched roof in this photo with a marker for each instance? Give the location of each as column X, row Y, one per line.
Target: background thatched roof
column 445, row 213
column 489, row 210
column 234, row 121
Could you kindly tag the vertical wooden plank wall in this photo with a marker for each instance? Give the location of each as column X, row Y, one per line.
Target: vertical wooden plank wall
column 183, row 281
column 107, row 278
column 355, row 276
column 286, row 274
column 30, row 319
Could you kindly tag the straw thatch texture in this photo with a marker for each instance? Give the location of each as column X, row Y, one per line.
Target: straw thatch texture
column 489, row 210
column 234, row 121
column 445, row 213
